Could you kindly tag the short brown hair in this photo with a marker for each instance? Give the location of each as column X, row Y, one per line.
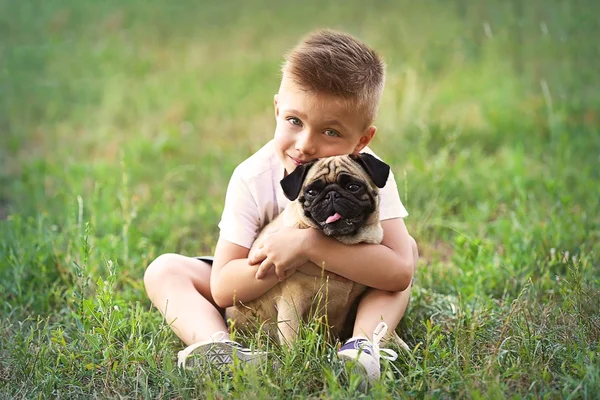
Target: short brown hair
column 338, row 64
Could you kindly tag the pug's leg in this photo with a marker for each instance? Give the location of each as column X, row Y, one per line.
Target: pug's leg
column 239, row 316
column 293, row 306
column 287, row 320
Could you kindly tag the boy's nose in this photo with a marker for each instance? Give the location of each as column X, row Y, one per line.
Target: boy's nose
column 306, row 144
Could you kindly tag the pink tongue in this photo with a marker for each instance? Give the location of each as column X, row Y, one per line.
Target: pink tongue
column 333, row 218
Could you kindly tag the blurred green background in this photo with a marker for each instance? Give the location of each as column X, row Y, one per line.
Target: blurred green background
column 121, row 122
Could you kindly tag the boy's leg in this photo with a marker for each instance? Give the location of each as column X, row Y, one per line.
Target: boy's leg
column 377, row 312
column 378, row 305
column 179, row 287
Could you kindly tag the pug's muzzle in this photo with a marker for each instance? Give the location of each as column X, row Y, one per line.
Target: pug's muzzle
column 340, row 208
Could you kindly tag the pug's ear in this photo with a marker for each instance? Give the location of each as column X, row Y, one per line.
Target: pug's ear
column 377, row 169
column 292, row 183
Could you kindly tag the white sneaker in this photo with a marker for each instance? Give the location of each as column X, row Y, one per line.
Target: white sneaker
column 367, row 354
column 218, row 351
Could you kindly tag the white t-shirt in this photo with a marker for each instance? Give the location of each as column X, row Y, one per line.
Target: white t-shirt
column 254, row 197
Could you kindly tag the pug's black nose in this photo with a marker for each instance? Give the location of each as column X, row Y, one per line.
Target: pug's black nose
column 332, row 195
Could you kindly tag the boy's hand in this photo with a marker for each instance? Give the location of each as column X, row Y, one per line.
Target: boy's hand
column 282, row 249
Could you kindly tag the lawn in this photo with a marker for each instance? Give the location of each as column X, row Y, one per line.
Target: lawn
column 120, row 125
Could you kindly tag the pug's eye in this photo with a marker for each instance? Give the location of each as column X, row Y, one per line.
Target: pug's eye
column 312, row 192
column 353, row 187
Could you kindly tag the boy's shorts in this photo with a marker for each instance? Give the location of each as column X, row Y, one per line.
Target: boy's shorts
column 207, row 259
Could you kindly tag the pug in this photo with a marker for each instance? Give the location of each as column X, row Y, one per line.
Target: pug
column 340, row 196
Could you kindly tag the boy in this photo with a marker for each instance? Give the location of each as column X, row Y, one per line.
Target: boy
column 329, row 94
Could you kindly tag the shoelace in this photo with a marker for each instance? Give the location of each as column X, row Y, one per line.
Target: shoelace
column 378, row 334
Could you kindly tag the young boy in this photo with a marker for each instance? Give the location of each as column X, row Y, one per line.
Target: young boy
column 329, row 94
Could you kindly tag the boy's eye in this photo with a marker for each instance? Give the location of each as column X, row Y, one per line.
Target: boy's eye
column 331, row 133
column 294, row 121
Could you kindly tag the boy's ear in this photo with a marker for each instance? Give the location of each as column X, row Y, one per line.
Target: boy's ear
column 292, row 183
column 275, row 100
column 377, row 169
column 365, row 139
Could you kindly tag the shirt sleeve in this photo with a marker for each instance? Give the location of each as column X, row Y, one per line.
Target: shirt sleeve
column 390, row 205
column 240, row 220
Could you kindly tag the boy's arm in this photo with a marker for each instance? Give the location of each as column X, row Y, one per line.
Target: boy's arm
column 232, row 276
column 385, row 266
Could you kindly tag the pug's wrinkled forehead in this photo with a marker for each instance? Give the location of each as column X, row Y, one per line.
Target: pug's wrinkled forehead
column 328, row 170
column 364, row 166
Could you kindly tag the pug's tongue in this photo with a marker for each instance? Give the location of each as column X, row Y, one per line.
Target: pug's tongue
column 333, row 218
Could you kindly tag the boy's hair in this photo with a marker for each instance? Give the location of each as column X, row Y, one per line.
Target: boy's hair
column 336, row 63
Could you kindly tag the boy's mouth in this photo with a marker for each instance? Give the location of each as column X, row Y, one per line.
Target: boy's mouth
column 297, row 161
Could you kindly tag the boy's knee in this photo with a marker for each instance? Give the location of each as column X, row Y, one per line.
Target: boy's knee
column 158, row 270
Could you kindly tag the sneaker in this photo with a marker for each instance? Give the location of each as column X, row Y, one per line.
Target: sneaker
column 218, row 351
column 366, row 354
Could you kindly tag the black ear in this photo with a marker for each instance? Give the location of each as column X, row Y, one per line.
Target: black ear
column 377, row 169
column 292, row 183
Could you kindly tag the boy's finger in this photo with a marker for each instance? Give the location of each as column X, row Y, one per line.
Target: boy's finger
column 264, row 268
column 280, row 273
column 256, row 256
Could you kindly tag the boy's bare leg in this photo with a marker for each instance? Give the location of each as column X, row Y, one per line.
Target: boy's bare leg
column 179, row 287
column 380, row 305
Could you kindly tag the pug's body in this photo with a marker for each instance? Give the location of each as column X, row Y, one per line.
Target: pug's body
column 340, row 196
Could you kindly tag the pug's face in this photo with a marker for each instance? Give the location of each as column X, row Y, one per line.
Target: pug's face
column 338, row 194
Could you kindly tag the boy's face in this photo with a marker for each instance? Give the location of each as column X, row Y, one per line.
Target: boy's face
column 311, row 126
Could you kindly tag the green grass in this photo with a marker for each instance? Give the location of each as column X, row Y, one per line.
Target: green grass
column 121, row 122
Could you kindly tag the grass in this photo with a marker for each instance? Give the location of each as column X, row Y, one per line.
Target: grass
column 121, row 122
